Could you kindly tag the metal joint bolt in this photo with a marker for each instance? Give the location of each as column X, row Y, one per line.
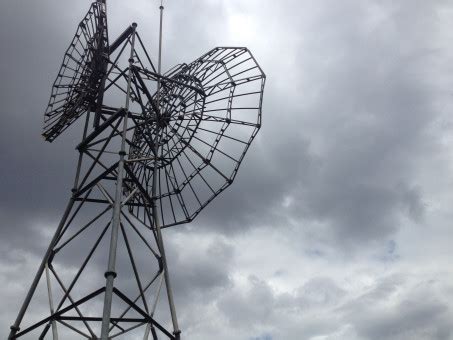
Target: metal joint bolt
column 110, row 273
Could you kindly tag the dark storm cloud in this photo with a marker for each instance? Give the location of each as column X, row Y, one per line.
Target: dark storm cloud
column 347, row 156
column 266, row 177
column 200, row 270
column 375, row 112
column 34, row 176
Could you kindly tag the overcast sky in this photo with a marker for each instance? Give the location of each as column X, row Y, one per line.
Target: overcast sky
column 338, row 225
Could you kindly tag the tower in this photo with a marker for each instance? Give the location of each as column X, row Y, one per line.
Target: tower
column 156, row 148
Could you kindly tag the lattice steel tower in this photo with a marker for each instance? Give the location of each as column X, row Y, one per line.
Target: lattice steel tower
column 155, row 150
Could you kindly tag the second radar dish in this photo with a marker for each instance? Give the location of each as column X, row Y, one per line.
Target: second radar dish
column 76, row 87
column 210, row 111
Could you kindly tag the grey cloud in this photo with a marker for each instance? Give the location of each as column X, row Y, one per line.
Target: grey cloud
column 395, row 310
column 260, row 308
column 253, row 309
column 200, row 270
column 410, row 320
column 36, row 175
column 352, row 90
column 350, row 162
column 266, row 177
column 319, row 291
column 392, row 309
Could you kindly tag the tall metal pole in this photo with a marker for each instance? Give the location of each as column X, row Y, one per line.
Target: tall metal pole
column 160, row 240
column 110, row 274
column 159, row 61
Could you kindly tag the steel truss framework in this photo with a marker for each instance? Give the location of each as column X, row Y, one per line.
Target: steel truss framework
column 156, row 149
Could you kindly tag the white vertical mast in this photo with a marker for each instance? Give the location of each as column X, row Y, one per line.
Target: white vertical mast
column 160, row 240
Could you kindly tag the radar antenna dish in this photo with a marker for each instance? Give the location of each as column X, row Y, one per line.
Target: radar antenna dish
column 76, row 87
column 209, row 113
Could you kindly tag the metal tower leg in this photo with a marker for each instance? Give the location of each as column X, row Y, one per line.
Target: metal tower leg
column 16, row 326
column 116, row 219
column 51, row 305
column 171, row 302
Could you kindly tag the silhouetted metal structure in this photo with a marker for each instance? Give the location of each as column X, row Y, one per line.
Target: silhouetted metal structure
column 156, row 149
